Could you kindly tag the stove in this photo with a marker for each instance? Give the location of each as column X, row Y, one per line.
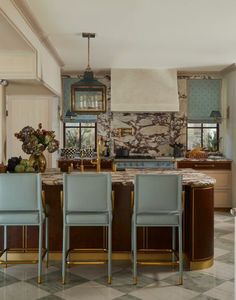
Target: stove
column 139, row 156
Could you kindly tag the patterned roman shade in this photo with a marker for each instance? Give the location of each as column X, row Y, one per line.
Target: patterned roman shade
column 203, row 97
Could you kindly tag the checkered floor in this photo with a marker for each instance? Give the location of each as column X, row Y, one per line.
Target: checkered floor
column 89, row 282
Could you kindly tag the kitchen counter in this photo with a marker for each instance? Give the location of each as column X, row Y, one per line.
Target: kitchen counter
column 190, row 177
column 198, row 221
column 198, row 224
column 216, row 158
column 221, row 171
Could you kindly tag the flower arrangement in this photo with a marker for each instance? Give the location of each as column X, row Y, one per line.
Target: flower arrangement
column 36, row 141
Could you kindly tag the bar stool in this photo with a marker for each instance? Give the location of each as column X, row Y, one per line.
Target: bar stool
column 157, row 203
column 21, row 205
column 87, row 201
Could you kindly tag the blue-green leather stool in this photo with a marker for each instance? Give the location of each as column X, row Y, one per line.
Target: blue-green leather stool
column 21, row 205
column 157, row 203
column 87, row 201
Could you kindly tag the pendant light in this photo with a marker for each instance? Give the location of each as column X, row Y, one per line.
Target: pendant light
column 88, row 95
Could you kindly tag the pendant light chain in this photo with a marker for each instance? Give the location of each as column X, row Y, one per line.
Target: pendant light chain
column 88, row 67
column 88, row 35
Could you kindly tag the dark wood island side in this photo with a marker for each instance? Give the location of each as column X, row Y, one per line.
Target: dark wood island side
column 198, row 221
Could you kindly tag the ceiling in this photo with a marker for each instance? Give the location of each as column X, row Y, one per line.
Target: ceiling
column 183, row 34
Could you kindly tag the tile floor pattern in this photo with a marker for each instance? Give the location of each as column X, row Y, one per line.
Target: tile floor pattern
column 155, row 283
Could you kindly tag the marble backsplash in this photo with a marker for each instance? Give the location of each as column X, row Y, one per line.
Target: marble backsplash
column 152, row 133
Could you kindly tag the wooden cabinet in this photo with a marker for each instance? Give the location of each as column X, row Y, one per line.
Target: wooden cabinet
column 221, row 172
column 205, row 164
column 64, row 164
column 199, row 225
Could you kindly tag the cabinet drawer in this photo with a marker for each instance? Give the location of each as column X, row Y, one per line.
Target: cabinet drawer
column 223, row 178
column 223, row 198
column 207, row 165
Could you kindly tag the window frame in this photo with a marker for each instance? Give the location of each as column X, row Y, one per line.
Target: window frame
column 80, row 127
column 201, row 127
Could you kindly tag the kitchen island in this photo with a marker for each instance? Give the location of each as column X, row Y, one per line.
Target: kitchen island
column 198, row 220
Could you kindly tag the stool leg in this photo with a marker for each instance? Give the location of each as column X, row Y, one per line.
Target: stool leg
column 5, row 244
column 109, row 252
column 180, row 255
column 132, row 246
column 134, row 238
column 68, row 244
column 173, row 244
column 46, row 241
column 64, row 247
column 40, row 254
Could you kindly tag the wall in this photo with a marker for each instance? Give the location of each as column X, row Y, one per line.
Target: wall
column 30, row 110
column 47, row 71
column 229, row 83
column 153, row 133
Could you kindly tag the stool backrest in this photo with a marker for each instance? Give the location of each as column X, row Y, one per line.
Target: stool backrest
column 85, row 192
column 20, row 192
column 157, row 193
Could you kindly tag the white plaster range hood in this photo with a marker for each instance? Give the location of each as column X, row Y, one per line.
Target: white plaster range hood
column 144, row 90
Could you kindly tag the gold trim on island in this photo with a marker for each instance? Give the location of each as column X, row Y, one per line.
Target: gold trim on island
column 99, row 257
column 199, row 265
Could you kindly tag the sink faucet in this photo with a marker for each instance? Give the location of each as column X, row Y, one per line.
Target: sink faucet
column 97, row 162
column 81, row 161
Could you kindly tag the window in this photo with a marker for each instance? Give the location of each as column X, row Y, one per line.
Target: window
column 204, row 135
column 204, row 96
column 79, row 135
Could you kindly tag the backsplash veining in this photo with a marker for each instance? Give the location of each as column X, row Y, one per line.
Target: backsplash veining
column 153, row 133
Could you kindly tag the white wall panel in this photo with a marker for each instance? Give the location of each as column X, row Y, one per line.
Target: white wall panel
column 26, row 111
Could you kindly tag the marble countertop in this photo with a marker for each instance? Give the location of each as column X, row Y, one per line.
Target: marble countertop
column 157, row 158
column 130, row 158
column 190, row 177
column 216, row 159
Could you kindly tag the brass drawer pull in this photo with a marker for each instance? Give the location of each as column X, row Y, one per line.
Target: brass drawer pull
column 204, row 166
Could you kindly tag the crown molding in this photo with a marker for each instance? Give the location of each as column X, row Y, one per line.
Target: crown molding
column 228, row 69
column 28, row 16
column 199, row 73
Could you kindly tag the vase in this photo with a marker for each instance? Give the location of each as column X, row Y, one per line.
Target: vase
column 38, row 162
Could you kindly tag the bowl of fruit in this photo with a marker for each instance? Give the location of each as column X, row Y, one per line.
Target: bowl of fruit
column 19, row 165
